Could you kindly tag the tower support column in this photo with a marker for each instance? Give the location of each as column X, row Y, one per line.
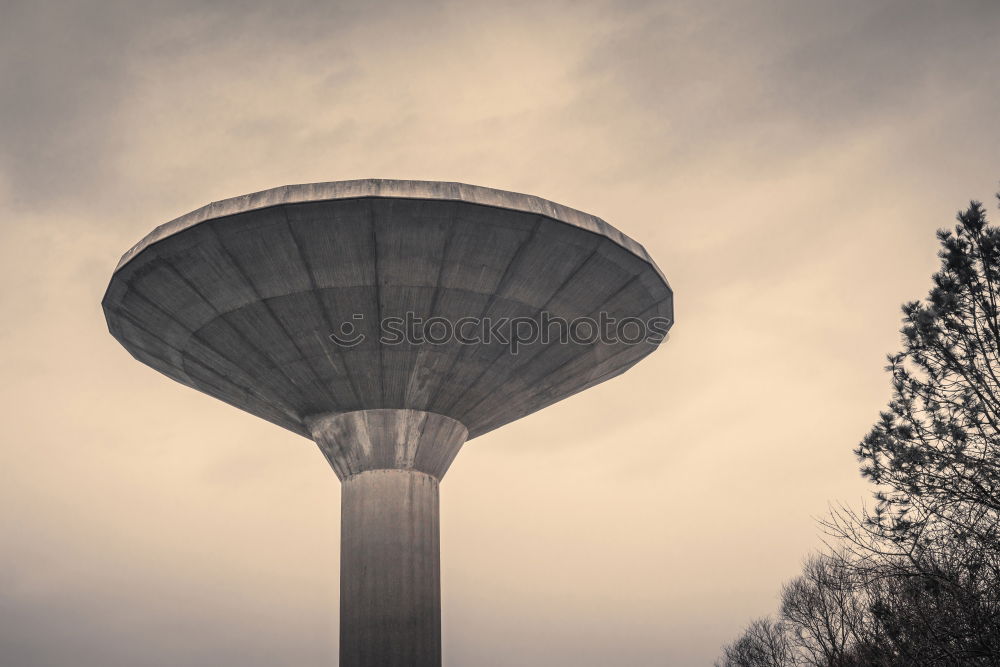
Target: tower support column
column 390, row 576
column 390, row 463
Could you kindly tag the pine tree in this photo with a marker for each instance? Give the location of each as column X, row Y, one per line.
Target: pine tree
column 935, row 452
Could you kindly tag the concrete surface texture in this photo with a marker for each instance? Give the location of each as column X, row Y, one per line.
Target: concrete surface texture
column 390, row 570
column 239, row 300
column 354, row 442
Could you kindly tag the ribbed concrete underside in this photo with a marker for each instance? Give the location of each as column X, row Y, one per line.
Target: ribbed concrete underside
column 240, row 306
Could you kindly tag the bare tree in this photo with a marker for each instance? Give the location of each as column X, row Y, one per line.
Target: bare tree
column 764, row 643
column 825, row 613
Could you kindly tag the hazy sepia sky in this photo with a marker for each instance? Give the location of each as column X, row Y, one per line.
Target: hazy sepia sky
column 785, row 163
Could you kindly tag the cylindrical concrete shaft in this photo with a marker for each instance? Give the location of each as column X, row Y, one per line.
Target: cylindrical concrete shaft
column 390, row 592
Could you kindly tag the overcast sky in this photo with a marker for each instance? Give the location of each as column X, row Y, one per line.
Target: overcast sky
column 785, row 164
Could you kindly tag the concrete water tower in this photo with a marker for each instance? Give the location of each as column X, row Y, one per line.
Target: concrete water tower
column 390, row 322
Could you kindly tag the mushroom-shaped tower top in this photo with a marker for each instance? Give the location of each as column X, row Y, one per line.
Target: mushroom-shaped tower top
column 317, row 299
column 389, row 321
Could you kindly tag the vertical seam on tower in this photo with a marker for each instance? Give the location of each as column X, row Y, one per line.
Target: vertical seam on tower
column 181, row 353
column 322, row 308
column 545, row 305
column 194, row 333
column 267, row 308
column 378, row 301
column 597, row 309
column 489, row 304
